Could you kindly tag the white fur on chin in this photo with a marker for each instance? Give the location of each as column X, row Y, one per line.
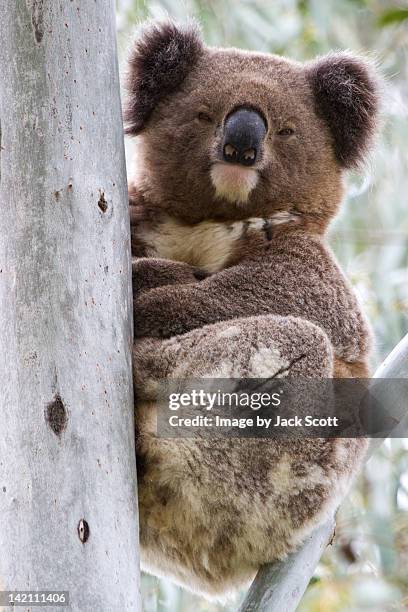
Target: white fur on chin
column 233, row 182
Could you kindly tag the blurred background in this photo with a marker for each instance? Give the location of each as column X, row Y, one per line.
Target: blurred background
column 367, row 566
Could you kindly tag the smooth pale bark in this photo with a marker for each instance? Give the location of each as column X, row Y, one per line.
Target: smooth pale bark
column 280, row 586
column 68, row 509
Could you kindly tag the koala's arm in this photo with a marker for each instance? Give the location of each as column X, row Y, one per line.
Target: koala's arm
column 297, row 277
column 152, row 272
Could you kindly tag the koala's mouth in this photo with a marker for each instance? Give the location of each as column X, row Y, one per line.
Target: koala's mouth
column 233, row 182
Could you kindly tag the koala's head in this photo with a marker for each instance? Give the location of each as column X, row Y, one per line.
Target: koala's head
column 229, row 134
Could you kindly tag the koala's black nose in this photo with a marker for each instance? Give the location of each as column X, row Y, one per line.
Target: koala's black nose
column 244, row 131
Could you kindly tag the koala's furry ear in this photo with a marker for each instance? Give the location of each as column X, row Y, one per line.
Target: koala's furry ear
column 162, row 57
column 346, row 92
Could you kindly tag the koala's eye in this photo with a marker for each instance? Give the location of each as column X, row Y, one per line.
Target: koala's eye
column 286, row 132
column 204, row 117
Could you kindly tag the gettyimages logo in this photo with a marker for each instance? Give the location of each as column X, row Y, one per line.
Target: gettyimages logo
column 208, row 400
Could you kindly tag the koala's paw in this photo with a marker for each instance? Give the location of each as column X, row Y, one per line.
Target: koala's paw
column 151, row 272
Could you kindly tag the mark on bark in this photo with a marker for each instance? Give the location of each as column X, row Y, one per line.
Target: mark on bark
column 83, row 530
column 56, row 415
column 37, row 18
column 102, row 203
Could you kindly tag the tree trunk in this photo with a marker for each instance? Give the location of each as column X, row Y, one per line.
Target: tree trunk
column 68, row 510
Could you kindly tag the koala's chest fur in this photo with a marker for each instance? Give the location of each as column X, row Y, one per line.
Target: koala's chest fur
column 209, row 245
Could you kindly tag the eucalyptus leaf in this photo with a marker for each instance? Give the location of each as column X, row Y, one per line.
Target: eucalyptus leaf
column 392, row 16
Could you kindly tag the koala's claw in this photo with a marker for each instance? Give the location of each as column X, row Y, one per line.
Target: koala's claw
column 200, row 274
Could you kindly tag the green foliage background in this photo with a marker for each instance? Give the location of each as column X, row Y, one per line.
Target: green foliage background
column 367, row 567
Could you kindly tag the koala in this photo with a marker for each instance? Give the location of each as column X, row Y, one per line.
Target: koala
column 239, row 170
